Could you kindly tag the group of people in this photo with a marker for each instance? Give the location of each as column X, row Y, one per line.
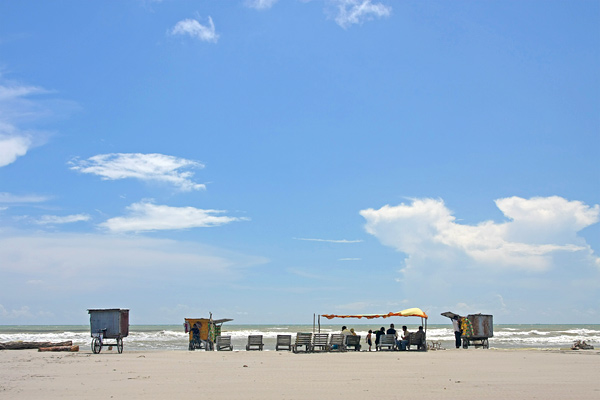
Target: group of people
column 402, row 339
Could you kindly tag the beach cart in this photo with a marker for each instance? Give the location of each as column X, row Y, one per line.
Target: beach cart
column 203, row 332
column 112, row 323
column 481, row 329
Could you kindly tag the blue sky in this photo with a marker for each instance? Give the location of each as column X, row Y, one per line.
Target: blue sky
column 267, row 160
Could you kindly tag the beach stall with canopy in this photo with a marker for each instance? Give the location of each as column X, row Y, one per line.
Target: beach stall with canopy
column 409, row 312
column 203, row 332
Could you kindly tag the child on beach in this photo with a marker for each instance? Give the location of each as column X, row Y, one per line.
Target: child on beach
column 369, row 338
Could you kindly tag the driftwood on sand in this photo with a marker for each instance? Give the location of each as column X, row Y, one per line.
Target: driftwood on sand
column 581, row 345
column 60, row 348
column 32, row 345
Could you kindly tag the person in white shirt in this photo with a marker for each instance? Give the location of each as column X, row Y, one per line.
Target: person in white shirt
column 457, row 333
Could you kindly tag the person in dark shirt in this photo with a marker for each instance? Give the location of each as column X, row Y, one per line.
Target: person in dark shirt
column 392, row 331
column 378, row 336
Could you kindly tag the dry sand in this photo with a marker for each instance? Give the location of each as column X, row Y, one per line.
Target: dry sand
column 445, row 374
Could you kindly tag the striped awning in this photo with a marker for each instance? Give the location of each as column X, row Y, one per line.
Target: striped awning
column 409, row 312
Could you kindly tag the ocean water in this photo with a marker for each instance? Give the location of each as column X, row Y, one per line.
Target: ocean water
column 173, row 337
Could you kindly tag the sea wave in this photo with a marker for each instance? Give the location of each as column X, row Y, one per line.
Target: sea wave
column 174, row 338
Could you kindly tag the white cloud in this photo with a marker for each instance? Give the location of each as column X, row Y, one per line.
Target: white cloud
column 527, row 268
column 15, row 91
column 350, row 12
column 15, row 109
column 195, row 29
column 146, row 167
column 13, row 147
column 330, row 240
column 50, row 258
column 539, row 229
column 260, row 4
column 24, row 311
column 145, row 216
column 11, row 198
column 67, row 219
column 67, row 273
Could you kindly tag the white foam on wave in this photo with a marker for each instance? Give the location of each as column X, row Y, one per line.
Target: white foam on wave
column 172, row 339
column 75, row 337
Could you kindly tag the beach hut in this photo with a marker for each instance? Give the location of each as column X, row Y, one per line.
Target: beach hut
column 209, row 330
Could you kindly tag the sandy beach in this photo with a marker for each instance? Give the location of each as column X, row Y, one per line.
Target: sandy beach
column 446, row 374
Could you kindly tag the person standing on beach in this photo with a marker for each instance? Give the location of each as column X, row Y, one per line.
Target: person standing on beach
column 378, row 336
column 457, row 334
column 369, row 342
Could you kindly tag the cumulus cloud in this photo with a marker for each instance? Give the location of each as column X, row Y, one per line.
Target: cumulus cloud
column 260, row 4
column 351, row 12
column 526, row 264
column 145, row 216
column 146, row 167
column 538, row 228
column 196, row 30
column 66, row 219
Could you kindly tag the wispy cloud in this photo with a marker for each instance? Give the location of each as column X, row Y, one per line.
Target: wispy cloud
column 260, row 4
column 58, row 220
column 40, row 263
column 330, row 240
column 8, row 198
column 146, row 167
column 145, row 216
column 23, row 312
column 303, row 274
column 351, row 12
column 196, row 30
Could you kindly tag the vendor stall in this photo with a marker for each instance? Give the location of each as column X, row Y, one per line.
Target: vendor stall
column 203, row 332
column 476, row 329
column 417, row 338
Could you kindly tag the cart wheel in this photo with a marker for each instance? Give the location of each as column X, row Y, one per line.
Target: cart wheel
column 96, row 345
column 120, row 345
column 486, row 344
